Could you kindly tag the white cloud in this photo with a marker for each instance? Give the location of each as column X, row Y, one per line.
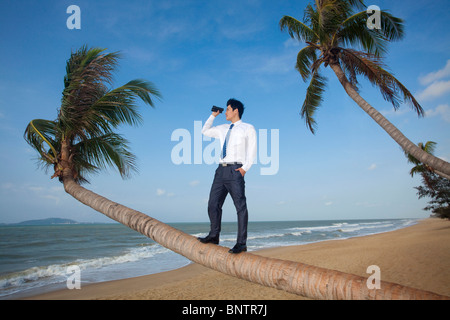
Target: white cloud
column 436, row 82
column 194, row 183
column 329, row 203
column 373, row 166
column 437, row 75
column 393, row 112
column 442, row 110
column 54, row 193
column 8, row 186
column 36, row 189
column 277, row 64
column 434, row 90
column 35, row 192
column 162, row 192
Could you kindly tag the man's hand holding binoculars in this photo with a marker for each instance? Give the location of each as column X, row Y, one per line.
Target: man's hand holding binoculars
column 216, row 111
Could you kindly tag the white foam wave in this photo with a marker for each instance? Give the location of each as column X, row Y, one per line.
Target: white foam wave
column 346, row 227
column 54, row 273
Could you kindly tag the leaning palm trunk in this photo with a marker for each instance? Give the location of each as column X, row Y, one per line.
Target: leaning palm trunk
column 441, row 167
column 293, row 277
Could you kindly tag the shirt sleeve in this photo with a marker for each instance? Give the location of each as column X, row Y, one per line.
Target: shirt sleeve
column 210, row 131
column 251, row 149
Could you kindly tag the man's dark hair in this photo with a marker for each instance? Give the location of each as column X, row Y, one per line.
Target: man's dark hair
column 236, row 104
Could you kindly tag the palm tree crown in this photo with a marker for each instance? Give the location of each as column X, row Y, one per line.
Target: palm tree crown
column 330, row 28
column 82, row 138
column 419, row 167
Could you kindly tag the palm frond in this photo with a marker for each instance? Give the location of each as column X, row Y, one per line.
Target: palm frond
column 144, row 90
column 90, row 65
column 331, row 13
column 428, row 147
column 41, row 135
column 313, row 99
column 118, row 105
column 109, row 150
column 354, row 32
column 114, row 108
column 392, row 27
column 359, row 4
column 371, row 67
column 305, row 59
column 87, row 73
column 311, row 18
column 297, row 29
column 420, row 167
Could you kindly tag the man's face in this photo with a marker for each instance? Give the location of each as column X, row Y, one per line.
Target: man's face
column 230, row 114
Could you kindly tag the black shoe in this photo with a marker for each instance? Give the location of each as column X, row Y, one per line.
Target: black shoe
column 209, row 239
column 238, row 248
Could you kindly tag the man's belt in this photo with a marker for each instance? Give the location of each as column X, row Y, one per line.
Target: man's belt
column 226, row 164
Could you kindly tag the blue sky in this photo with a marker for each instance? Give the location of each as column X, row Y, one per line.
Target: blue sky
column 200, row 53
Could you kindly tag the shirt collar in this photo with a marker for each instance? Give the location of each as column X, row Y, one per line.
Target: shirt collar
column 236, row 123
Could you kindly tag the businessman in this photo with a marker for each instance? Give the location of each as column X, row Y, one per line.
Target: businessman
column 238, row 153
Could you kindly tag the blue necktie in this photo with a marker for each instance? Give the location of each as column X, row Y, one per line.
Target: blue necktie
column 224, row 149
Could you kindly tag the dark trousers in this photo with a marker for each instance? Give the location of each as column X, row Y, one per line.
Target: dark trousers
column 227, row 180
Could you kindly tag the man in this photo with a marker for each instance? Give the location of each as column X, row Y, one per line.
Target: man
column 238, row 153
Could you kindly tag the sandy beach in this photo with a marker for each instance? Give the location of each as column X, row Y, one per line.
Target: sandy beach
column 417, row 256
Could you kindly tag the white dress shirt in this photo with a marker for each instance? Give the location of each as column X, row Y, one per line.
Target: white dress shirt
column 241, row 145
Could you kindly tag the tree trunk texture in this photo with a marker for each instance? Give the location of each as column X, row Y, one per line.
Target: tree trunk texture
column 294, row 277
column 440, row 166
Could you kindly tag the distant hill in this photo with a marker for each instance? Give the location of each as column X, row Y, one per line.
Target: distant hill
column 42, row 222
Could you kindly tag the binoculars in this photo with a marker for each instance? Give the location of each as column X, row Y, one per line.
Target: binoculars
column 215, row 109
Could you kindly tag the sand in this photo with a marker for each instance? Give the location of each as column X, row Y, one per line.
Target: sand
column 417, row 256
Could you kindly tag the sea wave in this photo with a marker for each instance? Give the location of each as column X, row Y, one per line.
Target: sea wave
column 355, row 229
column 53, row 273
column 348, row 227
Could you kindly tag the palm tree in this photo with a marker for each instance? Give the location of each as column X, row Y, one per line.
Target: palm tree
column 82, row 141
column 330, row 28
column 419, row 167
column 435, row 187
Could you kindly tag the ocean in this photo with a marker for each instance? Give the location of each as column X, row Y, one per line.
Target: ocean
column 35, row 259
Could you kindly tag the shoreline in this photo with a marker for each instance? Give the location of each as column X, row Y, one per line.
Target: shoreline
column 416, row 256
